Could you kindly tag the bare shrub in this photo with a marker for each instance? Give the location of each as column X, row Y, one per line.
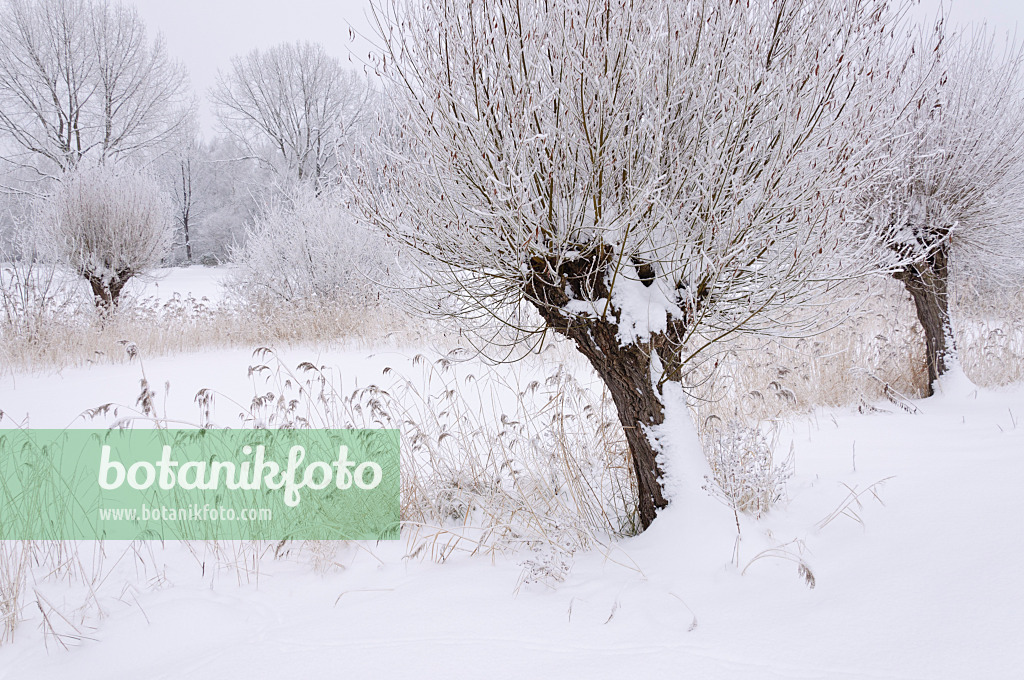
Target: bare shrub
column 33, row 294
column 305, row 250
column 745, row 474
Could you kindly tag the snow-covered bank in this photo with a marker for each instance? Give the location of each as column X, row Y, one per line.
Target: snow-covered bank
column 916, row 577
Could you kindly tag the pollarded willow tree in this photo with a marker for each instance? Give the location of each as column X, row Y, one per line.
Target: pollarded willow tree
column 649, row 175
column 296, row 99
column 952, row 180
column 108, row 225
column 80, row 79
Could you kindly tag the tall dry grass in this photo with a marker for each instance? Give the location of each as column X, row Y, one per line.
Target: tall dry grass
column 184, row 325
column 494, row 460
column 872, row 355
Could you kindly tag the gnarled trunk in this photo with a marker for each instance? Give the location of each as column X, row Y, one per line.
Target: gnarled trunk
column 106, row 292
column 928, row 284
column 625, row 368
column 626, row 371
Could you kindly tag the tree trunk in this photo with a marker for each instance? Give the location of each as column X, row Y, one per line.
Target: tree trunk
column 106, row 293
column 928, row 284
column 625, row 369
column 188, row 241
column 186, row 204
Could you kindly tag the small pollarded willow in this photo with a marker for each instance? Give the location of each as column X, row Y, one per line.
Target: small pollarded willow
column 80, row 79
column 952, row 180
column 107, row 225
column 647, row 175
column 297, row 100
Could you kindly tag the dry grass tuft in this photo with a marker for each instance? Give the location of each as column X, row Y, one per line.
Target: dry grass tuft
column 876, row 354
column 492, row 462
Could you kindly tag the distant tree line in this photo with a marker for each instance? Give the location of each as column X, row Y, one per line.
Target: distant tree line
column 83, row 85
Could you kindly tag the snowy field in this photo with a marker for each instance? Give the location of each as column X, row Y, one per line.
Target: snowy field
column 701, row 324
column 896, row 555
column 158, row 287
column 199, row 282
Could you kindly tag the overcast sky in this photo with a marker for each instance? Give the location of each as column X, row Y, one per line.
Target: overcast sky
column 205, row 34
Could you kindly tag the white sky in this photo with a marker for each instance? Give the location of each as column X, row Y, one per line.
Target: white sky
column 205, row 34
column 1003, row 15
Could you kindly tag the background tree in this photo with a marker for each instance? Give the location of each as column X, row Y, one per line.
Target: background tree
column 951, row 182
column 293, row 103
column 229, row 189
column 649, row 176
column 185, row 200
column 185, row 174
column 79, row 79
column 107, row 225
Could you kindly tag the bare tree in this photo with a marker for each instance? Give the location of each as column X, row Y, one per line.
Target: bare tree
column 228, row 191
column 298, row 101
column 78, row 79
column 186, row 172
column 951, row 182
column 186, row 201
column 108, row 225
column 649, row 175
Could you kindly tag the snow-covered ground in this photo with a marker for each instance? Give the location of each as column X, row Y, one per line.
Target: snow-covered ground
column 197, row 281
column 160, row 285
column 918, row 577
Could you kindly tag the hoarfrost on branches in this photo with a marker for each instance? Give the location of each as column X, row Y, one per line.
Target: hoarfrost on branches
column 295, row 107
column 107, row 225
column 80, row 79
column 948, row 187
column 552, row 160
